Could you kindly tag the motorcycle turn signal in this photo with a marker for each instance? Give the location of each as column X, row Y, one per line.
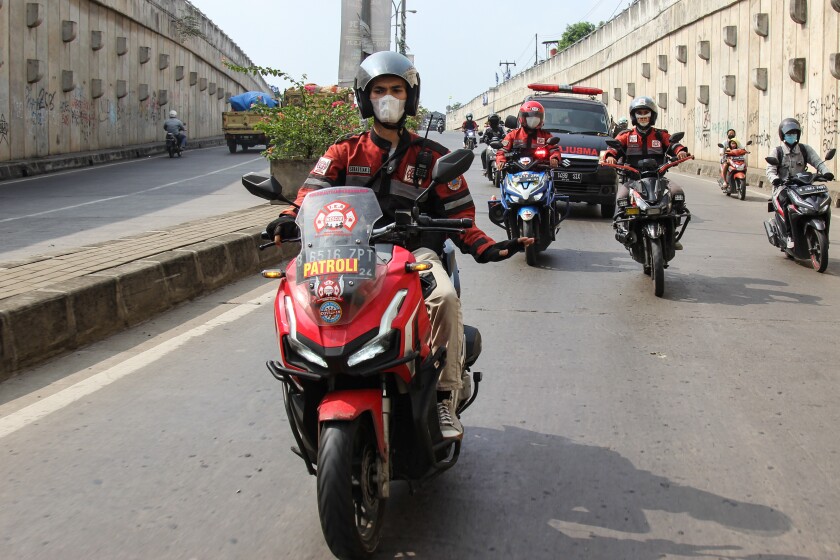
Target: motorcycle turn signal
column 420, row 266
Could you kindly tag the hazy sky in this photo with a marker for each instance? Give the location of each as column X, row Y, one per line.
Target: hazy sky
column 457, row 44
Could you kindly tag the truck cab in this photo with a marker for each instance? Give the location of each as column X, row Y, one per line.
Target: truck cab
column 583, row 126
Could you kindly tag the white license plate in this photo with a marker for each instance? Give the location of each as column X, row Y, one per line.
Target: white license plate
column 567, row 177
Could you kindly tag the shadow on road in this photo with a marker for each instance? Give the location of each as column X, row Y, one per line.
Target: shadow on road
column 522, row 494
column 732, row 290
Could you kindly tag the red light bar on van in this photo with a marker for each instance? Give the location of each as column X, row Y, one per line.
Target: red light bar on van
column 566, row 88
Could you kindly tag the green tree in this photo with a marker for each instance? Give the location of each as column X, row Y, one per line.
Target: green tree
column 574, row 33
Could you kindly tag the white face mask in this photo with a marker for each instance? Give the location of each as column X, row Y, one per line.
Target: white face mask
column 388, row 109
column 532, row 122
column 643, row 120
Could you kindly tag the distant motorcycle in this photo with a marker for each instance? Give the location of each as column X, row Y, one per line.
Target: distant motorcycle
column 173, row 146
column 440, row 127
column 736, row 175
column 490, row 157
column 470, row 140
column 808, row 207
column 651, row 224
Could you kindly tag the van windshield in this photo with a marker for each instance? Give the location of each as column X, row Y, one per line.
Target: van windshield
column 575, row 118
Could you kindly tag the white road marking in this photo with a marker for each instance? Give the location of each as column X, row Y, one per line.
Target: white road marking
column 167, row 185
column 38, row 410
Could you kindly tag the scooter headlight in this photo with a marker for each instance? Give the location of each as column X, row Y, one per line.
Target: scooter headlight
column 383, row 341
column 305, row 352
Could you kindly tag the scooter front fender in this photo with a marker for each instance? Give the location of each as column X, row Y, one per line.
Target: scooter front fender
column 528, row 213
column 816, row 223
column 346, row 406
column 653, row 230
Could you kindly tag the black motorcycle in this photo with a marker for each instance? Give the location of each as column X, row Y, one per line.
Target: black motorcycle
column 173, row 146
column 490, row 157
column 440, row 127
column 808, row 207
column 650, row 221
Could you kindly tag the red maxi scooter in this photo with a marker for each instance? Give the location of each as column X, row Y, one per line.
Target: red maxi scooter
column 359, row 377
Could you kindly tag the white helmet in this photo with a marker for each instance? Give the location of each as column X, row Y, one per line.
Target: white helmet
column 173, row 114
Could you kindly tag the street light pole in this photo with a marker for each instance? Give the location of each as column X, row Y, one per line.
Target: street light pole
column 399, row 25
column 402, row 27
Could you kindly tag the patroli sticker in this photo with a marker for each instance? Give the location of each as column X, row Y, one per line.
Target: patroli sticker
column 330, row 266
column 336, row 218
column 322, row 166
column 330, row 312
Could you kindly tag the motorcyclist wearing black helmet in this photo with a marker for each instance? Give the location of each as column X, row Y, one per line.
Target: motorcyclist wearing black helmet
column 469, row 124
column 397, row 165
column 794, row 157
column 494, row 130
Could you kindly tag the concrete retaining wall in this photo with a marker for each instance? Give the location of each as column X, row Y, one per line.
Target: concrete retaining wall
column 704, row 62
column 84, row 75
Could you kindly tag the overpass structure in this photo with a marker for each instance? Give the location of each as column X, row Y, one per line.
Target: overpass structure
column 710, row 65
column 87, row 75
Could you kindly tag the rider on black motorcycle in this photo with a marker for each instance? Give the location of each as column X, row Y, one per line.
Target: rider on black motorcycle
column 794, row 158
column 177, row 127
column 494, row 130
column 397, row 165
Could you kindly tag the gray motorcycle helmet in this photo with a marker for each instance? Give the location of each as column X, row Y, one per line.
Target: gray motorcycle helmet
column 789, row 126
column 386, row 63
column 644, row 103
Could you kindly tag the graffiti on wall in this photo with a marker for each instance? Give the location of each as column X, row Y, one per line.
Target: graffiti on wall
column 79, row 113
column 38, row 105
column 4, row 130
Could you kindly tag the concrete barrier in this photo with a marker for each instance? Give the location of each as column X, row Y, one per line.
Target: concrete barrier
column 45, row 323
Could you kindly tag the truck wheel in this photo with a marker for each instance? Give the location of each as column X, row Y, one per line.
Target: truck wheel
column 232, row 146
column 607, row 209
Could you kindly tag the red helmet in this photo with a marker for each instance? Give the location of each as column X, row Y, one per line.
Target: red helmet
column 529, row 111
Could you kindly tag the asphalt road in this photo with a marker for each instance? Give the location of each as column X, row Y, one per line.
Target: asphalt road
column 46, row 214
column 611, row 424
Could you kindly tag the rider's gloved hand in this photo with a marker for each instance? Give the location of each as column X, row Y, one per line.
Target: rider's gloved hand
column 609, row 159
column 282, row 228
column 554, row 161
column 683, row 154
column 505, row 249
column 777, row 181
column 829, row 176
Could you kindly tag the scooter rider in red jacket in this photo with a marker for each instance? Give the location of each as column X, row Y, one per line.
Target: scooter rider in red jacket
column 397, row 165
column 643, row 141
column 529, row 135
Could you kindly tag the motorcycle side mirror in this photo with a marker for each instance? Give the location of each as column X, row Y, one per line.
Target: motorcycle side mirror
column 268, row 188
column 511, row 122
column 677, row 136
column 496, row 145
column 830, row 154
column 771, row 160
column 615, row 144
column 749, row 142
column 452, row 165
column 721, row 146
column 554, row 140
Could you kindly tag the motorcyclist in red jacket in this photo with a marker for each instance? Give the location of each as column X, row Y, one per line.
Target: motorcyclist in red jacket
column 643, row 141
column 397, row 165
column 469, row 124
column 529, row 135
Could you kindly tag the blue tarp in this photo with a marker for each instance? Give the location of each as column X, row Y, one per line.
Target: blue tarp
column 243, row 101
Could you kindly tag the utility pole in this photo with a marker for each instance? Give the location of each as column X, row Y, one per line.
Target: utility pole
column 402, row 27
column 536, row 53
column 507, row 65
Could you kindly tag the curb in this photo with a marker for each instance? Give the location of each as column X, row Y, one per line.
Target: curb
column 45, row 323
column 50, row 164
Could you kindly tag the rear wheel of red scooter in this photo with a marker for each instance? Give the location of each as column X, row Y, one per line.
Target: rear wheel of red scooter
column 348, row 501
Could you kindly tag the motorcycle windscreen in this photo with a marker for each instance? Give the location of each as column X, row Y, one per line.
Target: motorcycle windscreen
column 337, row 272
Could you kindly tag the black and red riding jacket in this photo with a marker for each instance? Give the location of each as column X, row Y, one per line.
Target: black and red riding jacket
column 653, row 143
column 355, row 161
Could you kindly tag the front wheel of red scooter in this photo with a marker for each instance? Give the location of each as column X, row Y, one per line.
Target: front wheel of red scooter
column 349, row 505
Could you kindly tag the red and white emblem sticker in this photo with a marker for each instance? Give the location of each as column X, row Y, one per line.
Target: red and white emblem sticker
column 335, row 217
column 455, row 184
column 322, row 166
column 409, row 174
column 655, row 144
column 540, row 141
column 329, row 289
column 633, row 138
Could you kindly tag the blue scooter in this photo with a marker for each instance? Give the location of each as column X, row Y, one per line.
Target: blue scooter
column 528, row 205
